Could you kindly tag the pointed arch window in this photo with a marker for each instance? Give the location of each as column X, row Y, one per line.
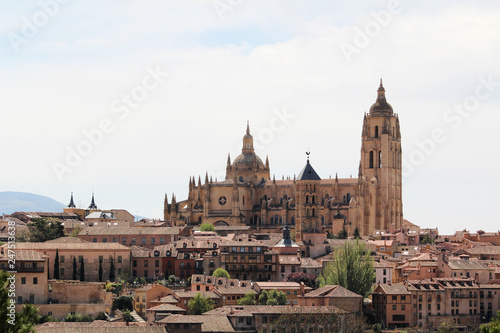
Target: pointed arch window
column 376, row 131
column 380, row 159
column 371, row 159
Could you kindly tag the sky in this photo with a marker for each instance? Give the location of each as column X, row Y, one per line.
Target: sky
column 128, row 99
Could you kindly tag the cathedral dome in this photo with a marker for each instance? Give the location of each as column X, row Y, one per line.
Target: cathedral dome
column 381, row 104
column 247, row 161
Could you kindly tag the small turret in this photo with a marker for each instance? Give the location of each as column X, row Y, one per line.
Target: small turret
column 71, row 203
column 92, row 206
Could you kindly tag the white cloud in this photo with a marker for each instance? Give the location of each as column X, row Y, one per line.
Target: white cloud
column 65, row 81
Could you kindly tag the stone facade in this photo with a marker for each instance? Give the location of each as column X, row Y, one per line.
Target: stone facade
column 248, row 195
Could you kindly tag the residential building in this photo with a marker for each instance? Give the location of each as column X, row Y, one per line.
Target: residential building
column 392, row 305
column 31, row 277
column 143, row 296
column 147, row 237
column 333, row 295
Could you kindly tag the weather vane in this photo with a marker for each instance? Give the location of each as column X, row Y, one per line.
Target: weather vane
column 308, row 153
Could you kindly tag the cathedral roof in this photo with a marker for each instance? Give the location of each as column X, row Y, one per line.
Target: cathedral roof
column 308, row 173
column 247, row 159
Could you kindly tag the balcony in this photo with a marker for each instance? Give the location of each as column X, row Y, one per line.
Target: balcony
column 30, row 269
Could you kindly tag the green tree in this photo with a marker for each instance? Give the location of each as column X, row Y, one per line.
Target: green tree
column 41, row 229
column 127, row 316
column 112, row 270
column 493, row 326
column 221, row 272
column 199, row 305
column 342, row 234
column 56, row 265
column 74, row 268
column 82, row 270
column 356, row 233
column 78, row 318
column 100, row 271
column 123, row 303
column 248, row 299
column 272, row 297
column 207, row 227
column 23, row 321
column 352, row 268
column 427, row 239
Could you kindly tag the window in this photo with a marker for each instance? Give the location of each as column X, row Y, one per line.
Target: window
column 394, row 298
column 428, row 307
column 382, row 248
column 371, row 159
column 157, row 263
column 134, row 263
column 420, row 298
column 133, row 241
column 153, row 240
column 162, row 240
column 114, row 239
column 146, row 263
column 35, row 280
column 384, row 272
column 32, row 298
column 23, row 280
column 104, row 240
column 394, row 307
column 402, row 307
column 119, row 259
column 94, row 240
column 143, row 240
column 242, row 249
column 234, row 249
column 376, row 131
column 62, row 271
column 124, row 241
column 403, row 298
column 19, row 299
column 61, row 259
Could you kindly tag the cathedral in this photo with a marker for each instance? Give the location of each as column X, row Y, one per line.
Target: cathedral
column 307, row 203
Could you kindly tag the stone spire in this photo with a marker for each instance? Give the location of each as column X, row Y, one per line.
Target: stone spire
column 92, row 203
column 71, row 203
column 247, row 142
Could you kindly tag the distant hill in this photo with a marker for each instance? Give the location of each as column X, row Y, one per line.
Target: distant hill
column 11, row 202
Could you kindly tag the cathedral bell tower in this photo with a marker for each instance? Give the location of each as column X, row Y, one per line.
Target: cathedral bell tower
column 307, row 199
column 380, row 176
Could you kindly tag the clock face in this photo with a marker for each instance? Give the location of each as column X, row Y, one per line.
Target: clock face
column 222, row 200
